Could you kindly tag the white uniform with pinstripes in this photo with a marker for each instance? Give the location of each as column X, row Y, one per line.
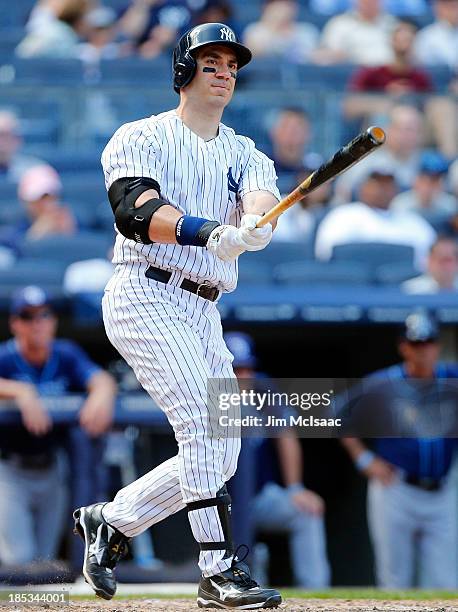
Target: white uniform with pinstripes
column 170, row 337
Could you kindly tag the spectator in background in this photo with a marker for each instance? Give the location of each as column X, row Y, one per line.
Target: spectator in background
column 401, row 152
column 278, row 34
column 399, row 78
column 88, row 275
column 428, row 194
column 100, row 34
column 299, row 222
column 39, row 189
column 453, row 178
column 155, row 25
column 289, row 138
column 442, row 270
column 404, row 8
column 58, row 35
column 282, row 503
column 412, row 513
column 370, row 220
column 360, row 36
column 399, row 82
column 32, row 472
column 437, row 43
column 215, row 11
column 13, row 163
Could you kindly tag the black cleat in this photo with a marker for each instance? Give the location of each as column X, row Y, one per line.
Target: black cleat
column 234, row 589
column 104, row 546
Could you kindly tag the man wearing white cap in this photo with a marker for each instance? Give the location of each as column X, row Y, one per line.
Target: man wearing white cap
column 39, row 189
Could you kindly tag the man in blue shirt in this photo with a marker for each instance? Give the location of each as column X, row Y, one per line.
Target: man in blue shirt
column 32, row 473
column 282, row 504
column 411, row 499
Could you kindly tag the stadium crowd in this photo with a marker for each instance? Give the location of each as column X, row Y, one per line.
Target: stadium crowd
column 341, row 64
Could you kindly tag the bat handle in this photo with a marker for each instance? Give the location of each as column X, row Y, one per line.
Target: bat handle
column 267, row 218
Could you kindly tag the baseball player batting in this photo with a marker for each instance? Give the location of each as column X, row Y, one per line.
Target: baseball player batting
column 187, row 193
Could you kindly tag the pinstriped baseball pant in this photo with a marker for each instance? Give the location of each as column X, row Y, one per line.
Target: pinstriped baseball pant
column 173, row 341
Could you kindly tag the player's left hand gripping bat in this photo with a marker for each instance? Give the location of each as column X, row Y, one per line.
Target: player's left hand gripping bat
column 347, row 156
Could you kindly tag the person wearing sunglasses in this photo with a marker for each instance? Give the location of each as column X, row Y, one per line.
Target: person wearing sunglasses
column 33, row 363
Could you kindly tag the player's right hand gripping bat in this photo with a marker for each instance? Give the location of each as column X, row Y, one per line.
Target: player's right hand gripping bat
column 347, row 156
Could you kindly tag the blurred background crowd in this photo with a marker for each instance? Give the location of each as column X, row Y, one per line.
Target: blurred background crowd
column 72, row 71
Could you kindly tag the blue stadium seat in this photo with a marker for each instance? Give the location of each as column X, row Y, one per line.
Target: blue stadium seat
column 103, row 216
column 84, row 245
column 374, row 253
column 388, row 274
column 40, row 71
column 69, row 162
column 441, row 77
column 9, row 39
column 440, row 222
column 8, row 192
column 264, row 73
column 247, row 12
column 312, row 76
column 15, row 14
column 48, row 274
column 43, row 131
column 254, row 272
column 11, row 212
column 281, row 252
column 84, row 190
column 323, row 273
column 151, row 72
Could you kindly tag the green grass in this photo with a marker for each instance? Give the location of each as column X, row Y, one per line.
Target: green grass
column 348, row 593
column 369, row 593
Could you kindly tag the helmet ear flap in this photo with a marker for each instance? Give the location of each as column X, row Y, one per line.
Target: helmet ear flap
column 184, row 70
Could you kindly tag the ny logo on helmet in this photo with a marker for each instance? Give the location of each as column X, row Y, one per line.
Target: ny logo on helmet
column 227, row 34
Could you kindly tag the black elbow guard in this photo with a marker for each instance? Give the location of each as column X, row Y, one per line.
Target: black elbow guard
column 132, row 222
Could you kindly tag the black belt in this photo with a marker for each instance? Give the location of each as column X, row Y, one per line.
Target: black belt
column 427, row 484
column 203, row 290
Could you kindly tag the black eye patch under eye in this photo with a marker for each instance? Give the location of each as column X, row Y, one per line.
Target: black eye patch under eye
column 211, row 69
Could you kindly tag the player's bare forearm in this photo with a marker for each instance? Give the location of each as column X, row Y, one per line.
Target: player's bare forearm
column 354, row 447
column 102, row 385
column 258, row 203
column 290, row 459
column 12, row 389
column 34, row 415
column 164, row 221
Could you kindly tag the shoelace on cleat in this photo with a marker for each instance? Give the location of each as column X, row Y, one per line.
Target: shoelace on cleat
column 241, row 575
column 118, row 548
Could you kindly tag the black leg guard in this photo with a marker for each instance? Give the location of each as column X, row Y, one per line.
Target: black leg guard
column 223, row 503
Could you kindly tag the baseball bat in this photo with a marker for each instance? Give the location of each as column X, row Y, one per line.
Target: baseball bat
column 347, row 156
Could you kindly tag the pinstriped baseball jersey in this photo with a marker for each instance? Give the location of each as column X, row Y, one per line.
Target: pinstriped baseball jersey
column 201, row 178
column 173, row 338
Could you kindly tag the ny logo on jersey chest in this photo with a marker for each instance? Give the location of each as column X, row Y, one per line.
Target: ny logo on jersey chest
column 232, row 184
column 227, row 34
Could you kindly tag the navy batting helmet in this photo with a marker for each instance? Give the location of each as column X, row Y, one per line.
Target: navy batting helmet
column 184, row 63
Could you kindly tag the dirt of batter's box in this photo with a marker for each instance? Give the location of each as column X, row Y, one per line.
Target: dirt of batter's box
column 291, row 605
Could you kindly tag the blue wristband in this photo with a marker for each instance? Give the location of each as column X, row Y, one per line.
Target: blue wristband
column 364, row 460
column 194, row 231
